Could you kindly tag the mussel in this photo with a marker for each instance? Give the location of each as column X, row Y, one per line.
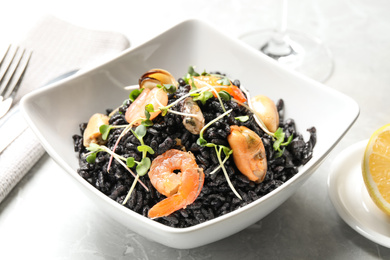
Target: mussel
column 266, row 109
column 92, row 133
column 155, row 77
column 194, row 121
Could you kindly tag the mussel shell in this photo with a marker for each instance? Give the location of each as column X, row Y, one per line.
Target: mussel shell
column 156, row 76
column 266, row 109
column 193, row 124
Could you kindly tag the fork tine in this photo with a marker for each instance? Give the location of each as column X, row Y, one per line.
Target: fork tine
column 7, row 65
column 4, row 55
column 13, row 90
column 9, row 73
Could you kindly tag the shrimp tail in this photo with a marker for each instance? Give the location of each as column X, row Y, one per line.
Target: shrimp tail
column 189, row 190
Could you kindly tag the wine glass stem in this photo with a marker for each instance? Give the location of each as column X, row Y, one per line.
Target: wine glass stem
column 278, row 45
column 282, row 26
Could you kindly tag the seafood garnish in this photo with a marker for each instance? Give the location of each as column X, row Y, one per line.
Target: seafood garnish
column 92, row 133
column 219, row 83
column 136, row 112
column 180, row 188
column 266, row 109
column 248, row 152
column 174, row 137
column 195, row 122
column 155, row 77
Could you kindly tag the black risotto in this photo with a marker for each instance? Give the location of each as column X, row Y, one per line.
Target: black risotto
column 216, row 197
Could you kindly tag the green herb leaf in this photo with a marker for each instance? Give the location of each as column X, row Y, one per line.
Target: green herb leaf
column 147, row 122
column 288, row 141
column 279, row 152
column 242, row 118
column 203, row 97
column 164, row 111
column 149, row 108
column 105, row 130
column 147, row 114
column 192, row 71
column 193, row 86
column 145, row 148
column 130, row 162
column 225, row 95
column 140, row 131
column 204, row 73
column 143, row 166
column 201, row 141
column 224, row 81
column 207, row 95
column 93, row 147
column 226, row 150
column 135, row 93
column 169, row 88
column 91, row 158
column 279, row 135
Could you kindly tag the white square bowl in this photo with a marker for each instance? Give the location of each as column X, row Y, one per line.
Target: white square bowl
column 55, row 112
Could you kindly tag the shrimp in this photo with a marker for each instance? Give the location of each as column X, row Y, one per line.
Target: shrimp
column 182, row 188
column 215, row 81
column 156, row 96
column 248, row 152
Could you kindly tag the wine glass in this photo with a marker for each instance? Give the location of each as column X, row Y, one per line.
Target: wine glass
column 303, row 53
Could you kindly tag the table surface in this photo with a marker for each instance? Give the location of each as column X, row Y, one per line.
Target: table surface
column 34, row 224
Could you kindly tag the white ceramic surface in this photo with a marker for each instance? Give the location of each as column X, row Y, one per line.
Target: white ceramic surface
column 55, row 112
column 351, row 199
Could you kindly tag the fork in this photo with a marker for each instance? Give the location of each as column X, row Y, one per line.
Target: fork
column 13, row 64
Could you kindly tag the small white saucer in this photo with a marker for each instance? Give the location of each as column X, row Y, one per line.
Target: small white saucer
column 349, row 196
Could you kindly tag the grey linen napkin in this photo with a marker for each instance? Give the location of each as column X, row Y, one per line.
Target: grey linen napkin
column 58, row 47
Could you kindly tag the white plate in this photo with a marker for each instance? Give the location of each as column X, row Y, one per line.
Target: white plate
column 55, row 112
column 351, row 199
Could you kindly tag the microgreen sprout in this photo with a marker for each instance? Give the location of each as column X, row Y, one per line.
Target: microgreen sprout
column 190, row 73
column 204, row 73
column 202, row 96
column 221, row 95
column 225, row 95
column 224, row 81
column 212, row 89
column 135, row 93
column 242, row 118
column 279, row 134
column 166, row 109
column 219, row 149
column 227, row 151
column 105, row 129
column 201, row 141
column 95, row 148
column 144, row 165
column 148, row 109
column 169, row 88
column 193, row 86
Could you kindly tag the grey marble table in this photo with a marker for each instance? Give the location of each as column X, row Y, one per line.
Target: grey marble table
column 46, row 216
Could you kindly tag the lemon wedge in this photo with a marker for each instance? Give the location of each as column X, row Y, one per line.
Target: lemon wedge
column 376, row 168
